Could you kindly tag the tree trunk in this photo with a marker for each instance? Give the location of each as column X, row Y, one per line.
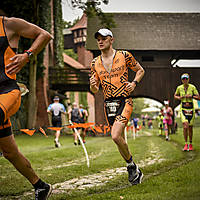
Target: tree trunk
column 32, row 99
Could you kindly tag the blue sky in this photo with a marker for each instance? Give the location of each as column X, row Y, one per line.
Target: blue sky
column 69, row 14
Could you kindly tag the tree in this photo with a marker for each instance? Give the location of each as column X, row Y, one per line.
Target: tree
column 92, row 9
column 69, row 24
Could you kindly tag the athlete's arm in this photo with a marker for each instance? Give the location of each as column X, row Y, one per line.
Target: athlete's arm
column 63, row 109
column 69, row 115
column 139, row 75
column 86, row 114
column 18, row 27
column 170, row 111
column 94, row 80
column 94, row 85
column 80, row 113
column 196, row 94
column 177, row 94
column 49, row 109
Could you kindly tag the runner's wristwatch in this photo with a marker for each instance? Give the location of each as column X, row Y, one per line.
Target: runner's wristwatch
column 30, row 55
column 136, row 83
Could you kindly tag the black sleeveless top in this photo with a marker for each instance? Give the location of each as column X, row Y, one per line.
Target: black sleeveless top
column 7, row 82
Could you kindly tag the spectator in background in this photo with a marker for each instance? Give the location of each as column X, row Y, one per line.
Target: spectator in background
column 143, row 120
column 150, row 124
column 135, row 123
column 56, row 109
column 160, row 123
column 83, row 119
column 186, row 92
column 74, row 117
column 168, row 113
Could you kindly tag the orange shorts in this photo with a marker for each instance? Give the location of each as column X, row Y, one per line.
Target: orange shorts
column 9, row 105
column 118, row 110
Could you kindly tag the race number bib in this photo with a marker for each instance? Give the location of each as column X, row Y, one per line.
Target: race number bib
column 188, row 112
column 112, row 107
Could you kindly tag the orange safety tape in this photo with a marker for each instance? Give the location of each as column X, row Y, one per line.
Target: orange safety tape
column 55, row 128
column 27, row 131
column 42, row 131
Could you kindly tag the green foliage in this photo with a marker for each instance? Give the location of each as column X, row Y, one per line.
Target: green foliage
column 138, row 105
column 71, row 53
column 72, row 97
column 83, row 99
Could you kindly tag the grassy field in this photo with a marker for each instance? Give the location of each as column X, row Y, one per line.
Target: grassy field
column 169, row 173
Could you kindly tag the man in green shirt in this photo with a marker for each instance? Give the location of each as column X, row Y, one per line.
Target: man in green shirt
column 185, row 93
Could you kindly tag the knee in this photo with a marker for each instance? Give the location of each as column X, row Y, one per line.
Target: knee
column 116, row 139
column 185, row 126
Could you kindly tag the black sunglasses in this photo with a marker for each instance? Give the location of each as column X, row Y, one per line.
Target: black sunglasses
column 185, row 78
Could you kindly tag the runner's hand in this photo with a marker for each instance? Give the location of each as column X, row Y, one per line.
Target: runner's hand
column 130, row 86
column 188, row 96
column 93, row 81
column 93, row 84
column 17, row 62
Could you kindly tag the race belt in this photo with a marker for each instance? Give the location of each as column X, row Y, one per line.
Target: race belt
column 187, row 105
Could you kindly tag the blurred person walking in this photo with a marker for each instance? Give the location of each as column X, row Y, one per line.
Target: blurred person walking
column 74, row 117
column 83, row 119
column 111, row 70
column 186, row 92
column 160, row 123
column 167, row 120
column 56, row 109
column 11, row 29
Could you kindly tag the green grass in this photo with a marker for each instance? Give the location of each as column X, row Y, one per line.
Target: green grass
column 176, row 177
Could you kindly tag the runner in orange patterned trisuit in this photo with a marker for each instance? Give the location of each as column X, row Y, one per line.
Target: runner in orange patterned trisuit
column 114, row 82
column 110, row 69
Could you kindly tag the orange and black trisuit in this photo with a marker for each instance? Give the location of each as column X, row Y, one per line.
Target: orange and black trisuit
column 10, row 96
column 118, row 105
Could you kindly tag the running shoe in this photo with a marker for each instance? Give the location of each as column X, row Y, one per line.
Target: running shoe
column 57, row 143
column 75, row 143
column 84, row 141
column 43, row 193
column 190, row 147
column 185, row 147
column 134, row 174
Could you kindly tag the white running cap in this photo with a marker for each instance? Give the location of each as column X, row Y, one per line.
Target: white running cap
column 104, row 32
column 166, row 102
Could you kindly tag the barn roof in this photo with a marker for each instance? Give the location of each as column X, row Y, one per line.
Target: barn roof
column 151, row 31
